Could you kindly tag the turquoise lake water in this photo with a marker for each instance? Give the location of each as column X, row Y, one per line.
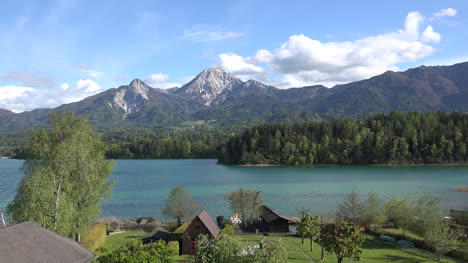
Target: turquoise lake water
column 142, row 185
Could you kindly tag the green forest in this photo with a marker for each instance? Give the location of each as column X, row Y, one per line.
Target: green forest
column 394, row 138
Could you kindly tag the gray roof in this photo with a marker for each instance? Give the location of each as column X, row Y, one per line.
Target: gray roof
column 270, row 214
column 30, row 242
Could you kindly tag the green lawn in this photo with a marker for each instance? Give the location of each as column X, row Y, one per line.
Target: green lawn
column 374, row 251
column 117, row 240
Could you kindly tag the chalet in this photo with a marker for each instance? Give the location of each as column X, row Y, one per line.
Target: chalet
column 276, row 222
column 30, row 242
column 201, row 224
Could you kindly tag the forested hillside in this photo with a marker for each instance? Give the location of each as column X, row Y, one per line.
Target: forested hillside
column 395, row 138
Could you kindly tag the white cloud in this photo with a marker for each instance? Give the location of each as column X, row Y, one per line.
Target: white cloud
column 18, row 98
column 156, row 78
column 204, row 33
column 305, row 61
column 430, row 36
column 446, row 12
column 10, row 92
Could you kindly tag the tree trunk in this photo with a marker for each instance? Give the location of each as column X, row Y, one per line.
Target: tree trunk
column 311, row 244
column 78, row 235
column 57, row 202
column 179, row 221
column 340, row 259
column 323, row 254
column 302, row 240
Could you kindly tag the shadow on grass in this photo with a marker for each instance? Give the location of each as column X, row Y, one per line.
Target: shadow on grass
column 395, row 258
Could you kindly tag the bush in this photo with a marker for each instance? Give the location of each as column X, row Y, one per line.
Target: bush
column 174, row 246
column 95, row 237
column 228, row 229
column 135, row 252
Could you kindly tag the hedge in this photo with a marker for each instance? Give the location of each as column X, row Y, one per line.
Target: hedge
column 95, row 237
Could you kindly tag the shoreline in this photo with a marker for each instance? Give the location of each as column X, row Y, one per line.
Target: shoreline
column 319, row 165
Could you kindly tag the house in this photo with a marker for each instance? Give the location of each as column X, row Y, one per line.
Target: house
column 201, row 224
column 30, row 242
column 276, row 222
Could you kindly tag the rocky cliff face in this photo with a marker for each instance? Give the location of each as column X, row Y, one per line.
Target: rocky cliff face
column 209, row 85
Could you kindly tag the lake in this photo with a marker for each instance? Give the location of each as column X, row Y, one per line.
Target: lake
column 142, row 185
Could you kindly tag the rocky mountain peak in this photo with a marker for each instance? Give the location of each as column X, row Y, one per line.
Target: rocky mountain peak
column 209, row 84
column 131, row 98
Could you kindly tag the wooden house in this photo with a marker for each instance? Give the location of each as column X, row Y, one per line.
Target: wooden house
column 277, row 222
column 30, row 242
column 201, row 224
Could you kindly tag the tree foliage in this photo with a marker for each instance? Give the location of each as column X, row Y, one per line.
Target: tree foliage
column 396, row 138
column 137, row 252
column 309, row 227
column 343, row 239
column 65, row 177
column 352, row 209
column 227, row 249
column 246, row 202
column 179, row 204
column 442, row 237
column 373, row 212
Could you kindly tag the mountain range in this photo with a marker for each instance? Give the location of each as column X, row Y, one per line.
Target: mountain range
column 215, row 96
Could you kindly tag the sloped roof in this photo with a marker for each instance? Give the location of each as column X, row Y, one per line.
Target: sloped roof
column 270, row 214
column 30, row 242
column 209, row 223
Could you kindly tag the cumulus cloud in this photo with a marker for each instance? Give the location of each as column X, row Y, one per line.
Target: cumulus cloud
column 306, row 61
column 18, row 98
column 430, row 36
column 161, row 81
column 30, row 79
column 446, row 12
column 204, row 33
column 156, row 78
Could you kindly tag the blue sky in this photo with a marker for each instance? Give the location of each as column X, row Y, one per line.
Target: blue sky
column 56, row 52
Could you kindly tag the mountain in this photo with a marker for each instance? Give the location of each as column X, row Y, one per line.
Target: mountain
column 217, row 97
column 210, row 86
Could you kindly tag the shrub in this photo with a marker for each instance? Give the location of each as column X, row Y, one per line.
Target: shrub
column 135, row 252
column 228, row 229
column 174, row 246
column 95, row 237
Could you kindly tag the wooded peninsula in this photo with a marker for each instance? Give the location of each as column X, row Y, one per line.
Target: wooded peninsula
column 395, row 138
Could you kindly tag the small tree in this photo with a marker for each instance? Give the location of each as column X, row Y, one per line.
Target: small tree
column 401, row 212
column 373, row 212
column 300, row 231
column 246, row 202
column 179, row 204
column 351, row 209
column 343, row 239
column 309, row 227
column 442, row 238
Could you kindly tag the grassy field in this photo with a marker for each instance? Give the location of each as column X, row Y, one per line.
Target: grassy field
column 375, row 251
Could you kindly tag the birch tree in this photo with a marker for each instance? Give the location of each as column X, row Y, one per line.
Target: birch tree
column 65, row 177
